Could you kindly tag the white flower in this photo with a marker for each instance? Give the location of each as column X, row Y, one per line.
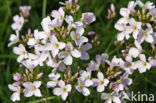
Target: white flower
column 45, row 24
column 21, row 51
column 147, row 5
column 66, row 3
column 134, row 52
column 135, row 26
column 79, row 39
column 94, row 66
column 14, row 38
column 110, row 97
column 54, row 80
column 129, row 65
column 101, row 83
column 25, row 10
column 16, row 95
column 54, row 45
column 18, row 23
column 69, row 19
column 125, row 12
column 39, row 57
column 117, row 62
column 33, row 41
column 152, row 61
column 124, row 31
column 63, row 90
column 85, row 75
column 67, row 54
column 58, row 14
column 29, row 64
column 17, row 77
column 125, row 80
column 58, row 17
column 82, row 86
column 32, row 89
column 131, row 6
column 88, row 17
column 146, row 35
column 83, row 49
column 142, row 64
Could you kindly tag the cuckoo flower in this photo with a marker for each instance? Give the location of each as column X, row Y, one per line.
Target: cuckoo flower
column 21, row 51
column 110, row 97
column 124, row 31
column 16, row 95
column 135, row 26
column 101, row 82
column 88, row 17
column 54, row 45
column 77, row 36
column 54, row 79
column 83, row 49
column 14, row 38
column 67, row 55
column 25, row 10
column 18, row 23
column 32, row 89
column 62, row 90
column 142, row 64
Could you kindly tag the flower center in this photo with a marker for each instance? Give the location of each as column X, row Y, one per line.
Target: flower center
column 144, row 34
column 81, row 86
column 68, row 51
column 76, row 37
column 129, row 64
column 144, row 63
column 33, row 87
column 64, row 89
column 56, row 45
column 135, row 27
column 101, row 82
column 23, row 52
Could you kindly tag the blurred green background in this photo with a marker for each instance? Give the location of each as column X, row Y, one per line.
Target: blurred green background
column 145, row 83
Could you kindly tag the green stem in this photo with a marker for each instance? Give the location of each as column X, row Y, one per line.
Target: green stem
column 44, row 99
column 44, row 8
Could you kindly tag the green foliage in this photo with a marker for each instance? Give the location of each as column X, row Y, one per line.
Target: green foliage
column 145, row 83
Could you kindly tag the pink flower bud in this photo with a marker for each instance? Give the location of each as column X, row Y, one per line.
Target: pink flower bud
column 96, row 37
column 17, row 84
column 29, row 31
column 148, row 25
column 78, row 7
column 39, row 75
column 92, row 41
column 21, row 65
column 139, row 12
column 112, row 7
column 64, row 35
column 17, row 77
column 117, row 74
column 73, row 12
column 27, row 71
column 65, row 75
column 76, row 1
column 91, row 33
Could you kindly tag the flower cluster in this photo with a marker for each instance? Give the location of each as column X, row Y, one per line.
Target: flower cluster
column 19, row 21
column 137, row 30
column 62, row 44
column 111, row 12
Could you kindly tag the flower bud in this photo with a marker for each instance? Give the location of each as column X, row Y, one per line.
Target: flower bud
column 17, row 77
